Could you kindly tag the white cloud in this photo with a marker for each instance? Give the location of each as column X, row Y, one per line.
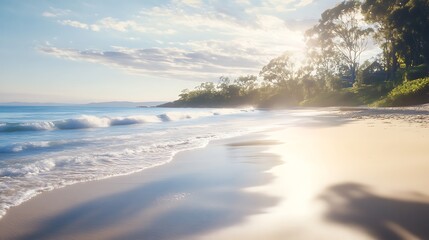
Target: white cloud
column 122, row 26
column 239, row 43
column 55, row 12
column 271, row 6
column 75, row 24
column 303, row 3
column 110, row 23
column 279, row 6
column 261, row 28
column 243, row 2
column 95, row 27
column 48, row 14
column 199, row 65
column 197, row 21
column 190, row 3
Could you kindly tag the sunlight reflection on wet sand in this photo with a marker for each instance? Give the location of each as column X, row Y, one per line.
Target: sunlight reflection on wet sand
column 347, row 182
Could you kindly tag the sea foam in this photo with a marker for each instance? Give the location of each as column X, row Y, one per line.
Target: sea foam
column 90, row 121
column 37, row 154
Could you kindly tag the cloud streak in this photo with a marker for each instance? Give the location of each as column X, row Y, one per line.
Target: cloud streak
column 110, row 23
column 55, row 12
column 304, row 3
column 229, row 43
column 165, row 62
column 77, row 24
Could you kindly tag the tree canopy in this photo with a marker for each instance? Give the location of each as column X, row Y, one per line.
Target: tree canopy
column 338, row 40
column 334, row 72
column 402, row 27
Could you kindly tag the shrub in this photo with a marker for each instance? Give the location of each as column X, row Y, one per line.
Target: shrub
column 420, row 71
column 333, row 98
column 408, row 93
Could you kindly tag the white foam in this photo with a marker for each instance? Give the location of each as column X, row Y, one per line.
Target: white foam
column 21, row 170
column 18, row 147
column 89, row 121
column 97, row 155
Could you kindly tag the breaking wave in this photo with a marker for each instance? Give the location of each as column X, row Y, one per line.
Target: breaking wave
column 90, row 121
column 37, row 154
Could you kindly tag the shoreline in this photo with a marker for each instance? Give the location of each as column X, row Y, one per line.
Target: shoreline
column 38, row 215
column 359, row 175
column 106, row 177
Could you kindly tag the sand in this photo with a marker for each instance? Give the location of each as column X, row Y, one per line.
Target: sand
column 362, row 175
column 363, row 180
column 197, row 192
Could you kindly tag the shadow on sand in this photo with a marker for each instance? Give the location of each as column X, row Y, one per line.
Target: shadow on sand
column 175, row 206
column 325, row 120
column 382, row 217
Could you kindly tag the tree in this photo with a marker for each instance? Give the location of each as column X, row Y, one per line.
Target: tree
column 378, row 12
column 208, row 87
column 226, row 89
column 184, row 95
column 246, row 84
column 401, row 30
column 278, row 71
column 223, row 84
column 323, row 62
column 339, row 39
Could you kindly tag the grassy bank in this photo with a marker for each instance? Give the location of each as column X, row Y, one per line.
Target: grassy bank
column 382, row 94
column 353, row 96
column 408, row 93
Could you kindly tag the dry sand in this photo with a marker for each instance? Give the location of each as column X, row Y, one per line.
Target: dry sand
column 363, row 180
column 364, row 177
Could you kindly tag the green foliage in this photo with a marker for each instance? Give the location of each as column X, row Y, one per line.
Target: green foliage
column 278, row 71
column 242, row 91
column 354, row 96
column 367, row 94
column 401, row 30
column 408, row 93
column 420, row 71
column 335, row 45
column 246, row 84
column 371, row 73
column 337, row 41
column 332, row 98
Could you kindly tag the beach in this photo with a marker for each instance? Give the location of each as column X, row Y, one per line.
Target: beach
column 356, row 174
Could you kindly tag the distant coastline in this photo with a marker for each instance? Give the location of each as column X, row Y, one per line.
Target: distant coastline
column 92, row 104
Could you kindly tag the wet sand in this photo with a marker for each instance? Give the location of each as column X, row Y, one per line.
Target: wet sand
column 198, row 192
column 327, row 178
column 366, row 179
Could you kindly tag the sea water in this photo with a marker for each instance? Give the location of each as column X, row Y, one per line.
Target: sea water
column 43, row 148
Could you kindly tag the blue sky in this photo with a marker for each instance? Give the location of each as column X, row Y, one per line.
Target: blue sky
column 85, row 51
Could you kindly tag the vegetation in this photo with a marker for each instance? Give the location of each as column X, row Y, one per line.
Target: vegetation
column 338, row 40
column 333, row 73
column 408, row 93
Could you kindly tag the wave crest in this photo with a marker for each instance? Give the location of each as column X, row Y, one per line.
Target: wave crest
column 89, row 121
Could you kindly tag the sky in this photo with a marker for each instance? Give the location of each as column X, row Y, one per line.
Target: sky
column 133, row 50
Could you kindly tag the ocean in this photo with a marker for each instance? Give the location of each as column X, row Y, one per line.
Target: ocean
column 43, row 148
